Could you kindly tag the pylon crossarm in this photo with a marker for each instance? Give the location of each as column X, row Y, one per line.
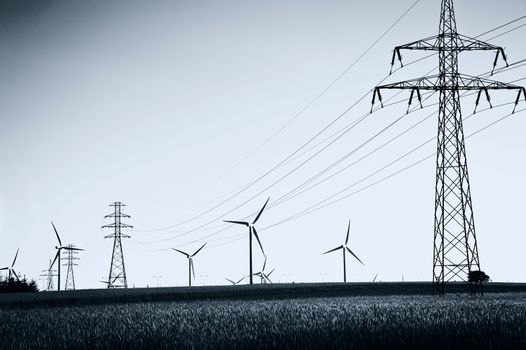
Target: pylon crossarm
column 467, row 43
column 113, row 225
column 112, row 235
column 434, row 83
column 113, row 215
column 436, row 43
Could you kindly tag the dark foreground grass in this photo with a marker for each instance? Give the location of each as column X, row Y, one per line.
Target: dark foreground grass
column 495, row 321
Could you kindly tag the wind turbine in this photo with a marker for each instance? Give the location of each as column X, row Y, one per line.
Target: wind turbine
column 251, row 230
column 10, row 269
column 264, row 276
column 235, row 282
column 345, row 249
column 114, row 279
column 191, row 271
column 59, row 249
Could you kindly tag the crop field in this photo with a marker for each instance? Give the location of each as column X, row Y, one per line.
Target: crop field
column 495, row 321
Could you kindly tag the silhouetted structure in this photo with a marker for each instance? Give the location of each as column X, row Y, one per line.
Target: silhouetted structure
column 10, row 269
column 70, row 277
column 345, row 249
column 49, row 274
column 251, row 231
column 117, row 275
column 455, row 252
column 264, row 277
column 235, row 282
column 191, row 271
column 59, row 249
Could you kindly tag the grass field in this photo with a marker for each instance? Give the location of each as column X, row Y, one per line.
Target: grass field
column 495, row 321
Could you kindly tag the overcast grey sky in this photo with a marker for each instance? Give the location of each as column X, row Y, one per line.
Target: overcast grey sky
column 150, row 102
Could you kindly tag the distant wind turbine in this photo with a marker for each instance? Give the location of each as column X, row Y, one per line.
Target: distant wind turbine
column 191, row 271
column 59, row 249
column 235, row 282
column 251, row 231
column 345, row 249
column 114, row 279
column 264, row 276
column 11, row 269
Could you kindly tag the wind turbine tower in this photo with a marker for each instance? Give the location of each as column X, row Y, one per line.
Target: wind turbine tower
column 455, row 250
column 71, row 257
column 117, row 275
column 11, row 269
column 345, row 249
column 251, row 232
column 190, row 257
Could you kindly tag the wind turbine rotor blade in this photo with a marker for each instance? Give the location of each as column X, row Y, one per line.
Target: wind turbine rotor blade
column 4, row 268
column 332, row 250
column 56, row 232
column 261, row 211
column 257, row 237
column 198, row 250
column 237, row 222
column 242, row 278
column 348, row 230
column 264, row 264
column 71, row 248
column 374, row 279
column 54, row 260
column 116, row 277
column 270, row 273
column 229, row 280
column 192, row 267
column 180, row 251
column 357, row 258
column 14, row 273
column 14, row 260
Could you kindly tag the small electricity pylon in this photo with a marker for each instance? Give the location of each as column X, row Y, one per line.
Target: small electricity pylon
column 71, row 257
column 49, row 274
column 117, row 275
column 455, row 252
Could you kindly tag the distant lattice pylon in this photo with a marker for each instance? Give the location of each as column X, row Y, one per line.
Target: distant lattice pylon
column 117, row 275
column 49, row 274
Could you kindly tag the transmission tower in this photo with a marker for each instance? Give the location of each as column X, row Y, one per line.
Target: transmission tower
column 49, row 274
column 455, row 251
column 117, row 275
column 71, row 257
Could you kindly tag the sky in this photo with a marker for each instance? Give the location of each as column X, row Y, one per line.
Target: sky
column 172, row 107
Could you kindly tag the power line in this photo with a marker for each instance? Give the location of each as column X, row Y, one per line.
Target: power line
column 374, row 173
column 283, row 162
column 280, row 200
column 276, row 202
column 308, row 105
column 317, row 206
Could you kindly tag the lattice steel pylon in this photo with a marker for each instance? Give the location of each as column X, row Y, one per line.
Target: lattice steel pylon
column 49, row 274
column 455, row 251
column 70, row 262
column 117, row 275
